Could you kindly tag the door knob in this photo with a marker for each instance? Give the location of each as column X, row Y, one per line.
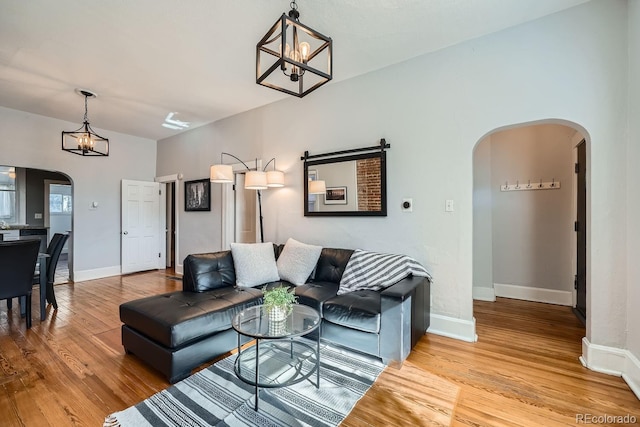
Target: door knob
column 125, row 233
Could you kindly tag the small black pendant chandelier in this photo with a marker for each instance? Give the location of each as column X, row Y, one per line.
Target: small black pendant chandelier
column 84, row 141
column 303, row 55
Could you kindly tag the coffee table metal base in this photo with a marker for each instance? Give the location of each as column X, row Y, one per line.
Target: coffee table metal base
column 273, row 363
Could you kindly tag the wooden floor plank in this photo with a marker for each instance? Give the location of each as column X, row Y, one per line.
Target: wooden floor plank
column 71, row 368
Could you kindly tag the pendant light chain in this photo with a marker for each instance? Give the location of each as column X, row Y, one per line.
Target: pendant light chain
column 86, row 114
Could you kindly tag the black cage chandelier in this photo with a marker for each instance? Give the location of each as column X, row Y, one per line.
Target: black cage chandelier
column 302, row 55
column 84, row 141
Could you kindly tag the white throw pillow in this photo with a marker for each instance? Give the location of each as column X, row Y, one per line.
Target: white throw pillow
column 297, row 261
column 255, row 263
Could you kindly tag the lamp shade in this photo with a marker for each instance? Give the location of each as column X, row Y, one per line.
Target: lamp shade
column 275, row 178
column 317, row 187
column 255, row 180
column 222, row 174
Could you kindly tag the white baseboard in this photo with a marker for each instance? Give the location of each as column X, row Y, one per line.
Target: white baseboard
column 482, row 293
column 97, row 273
column 550, row 296
column 451, row 327
column 612, row 361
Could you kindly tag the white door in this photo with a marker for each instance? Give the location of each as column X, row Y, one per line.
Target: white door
column 140, row 226
column 245, row 216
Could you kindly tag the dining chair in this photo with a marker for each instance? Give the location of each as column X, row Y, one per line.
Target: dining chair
column 17, row 264
column 53, row 250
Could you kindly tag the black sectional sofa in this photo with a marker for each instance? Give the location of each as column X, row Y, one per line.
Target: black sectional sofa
column 178, row 331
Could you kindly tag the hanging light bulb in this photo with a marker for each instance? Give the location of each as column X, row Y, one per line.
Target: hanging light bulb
column 305, row 49
column 295, row 70
column 85, row 142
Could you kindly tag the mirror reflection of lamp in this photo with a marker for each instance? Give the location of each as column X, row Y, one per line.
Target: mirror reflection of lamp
column 317, row 187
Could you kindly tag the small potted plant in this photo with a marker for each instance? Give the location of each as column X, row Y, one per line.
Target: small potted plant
column 278, row 301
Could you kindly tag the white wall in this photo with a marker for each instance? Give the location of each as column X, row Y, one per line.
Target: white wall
column 533, row 238
column 482, row 222
column 29, row 140
column 433, row 110
column 633, row 194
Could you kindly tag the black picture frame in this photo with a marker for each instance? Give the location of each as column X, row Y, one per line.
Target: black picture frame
column 197, row 195
column 336, row 196
column 311, row 172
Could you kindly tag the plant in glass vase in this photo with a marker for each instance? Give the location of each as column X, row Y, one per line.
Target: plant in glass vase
column 278, row 301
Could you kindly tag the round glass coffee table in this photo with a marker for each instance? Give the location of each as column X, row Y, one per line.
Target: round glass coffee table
column 279, row 357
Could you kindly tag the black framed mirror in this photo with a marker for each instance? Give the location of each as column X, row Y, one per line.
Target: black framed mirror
column 346, row 183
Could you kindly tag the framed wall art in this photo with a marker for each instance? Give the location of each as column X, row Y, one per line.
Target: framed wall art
column 336, row 196
column 197, row 195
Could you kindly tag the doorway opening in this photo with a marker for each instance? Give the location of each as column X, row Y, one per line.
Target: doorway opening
column 58, row 218
column 170, row 201
column 170, row 221
column 240, row 216
column 525, row 214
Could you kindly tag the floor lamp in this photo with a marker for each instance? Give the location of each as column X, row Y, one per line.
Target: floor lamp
column 254, row 180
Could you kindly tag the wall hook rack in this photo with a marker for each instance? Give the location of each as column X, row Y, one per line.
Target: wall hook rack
column 539, row 185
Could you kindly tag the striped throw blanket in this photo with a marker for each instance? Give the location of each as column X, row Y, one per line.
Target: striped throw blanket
column 375, row 271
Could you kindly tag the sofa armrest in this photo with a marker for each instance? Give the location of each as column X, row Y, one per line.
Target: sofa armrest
column 403, row 288
column 404, row 318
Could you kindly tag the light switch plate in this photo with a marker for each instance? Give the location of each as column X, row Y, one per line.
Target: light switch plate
column 448, row 206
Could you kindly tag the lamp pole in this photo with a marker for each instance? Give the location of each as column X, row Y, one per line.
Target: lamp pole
column 260, row 213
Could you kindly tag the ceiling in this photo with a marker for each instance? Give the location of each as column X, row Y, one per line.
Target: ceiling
column 147, row 58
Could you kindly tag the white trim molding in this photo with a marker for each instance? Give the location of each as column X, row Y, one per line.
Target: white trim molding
column 612, row 361
column 451, row 327
column 528, row 293
column 482, row 293
column 175, row 178
column 97, row 273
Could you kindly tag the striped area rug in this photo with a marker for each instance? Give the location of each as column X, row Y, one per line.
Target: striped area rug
column 216, row 397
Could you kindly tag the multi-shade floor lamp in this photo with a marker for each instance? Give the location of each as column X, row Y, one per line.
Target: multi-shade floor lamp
column 254, row 179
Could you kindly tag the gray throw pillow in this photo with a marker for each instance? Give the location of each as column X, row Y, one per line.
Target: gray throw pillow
column 255, row 263
column 297, row 261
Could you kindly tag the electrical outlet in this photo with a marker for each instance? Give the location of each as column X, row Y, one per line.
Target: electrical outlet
column 37, row 216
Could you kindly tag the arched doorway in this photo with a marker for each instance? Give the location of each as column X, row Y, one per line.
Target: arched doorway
column 524, row 213
column 39, row 203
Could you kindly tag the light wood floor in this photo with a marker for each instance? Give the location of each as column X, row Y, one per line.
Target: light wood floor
column 71, row 370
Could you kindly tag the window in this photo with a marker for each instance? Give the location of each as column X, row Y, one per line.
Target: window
column 8, row 194
column 60, row 203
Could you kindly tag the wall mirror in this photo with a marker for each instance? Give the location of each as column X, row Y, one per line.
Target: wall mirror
column 346, row 183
